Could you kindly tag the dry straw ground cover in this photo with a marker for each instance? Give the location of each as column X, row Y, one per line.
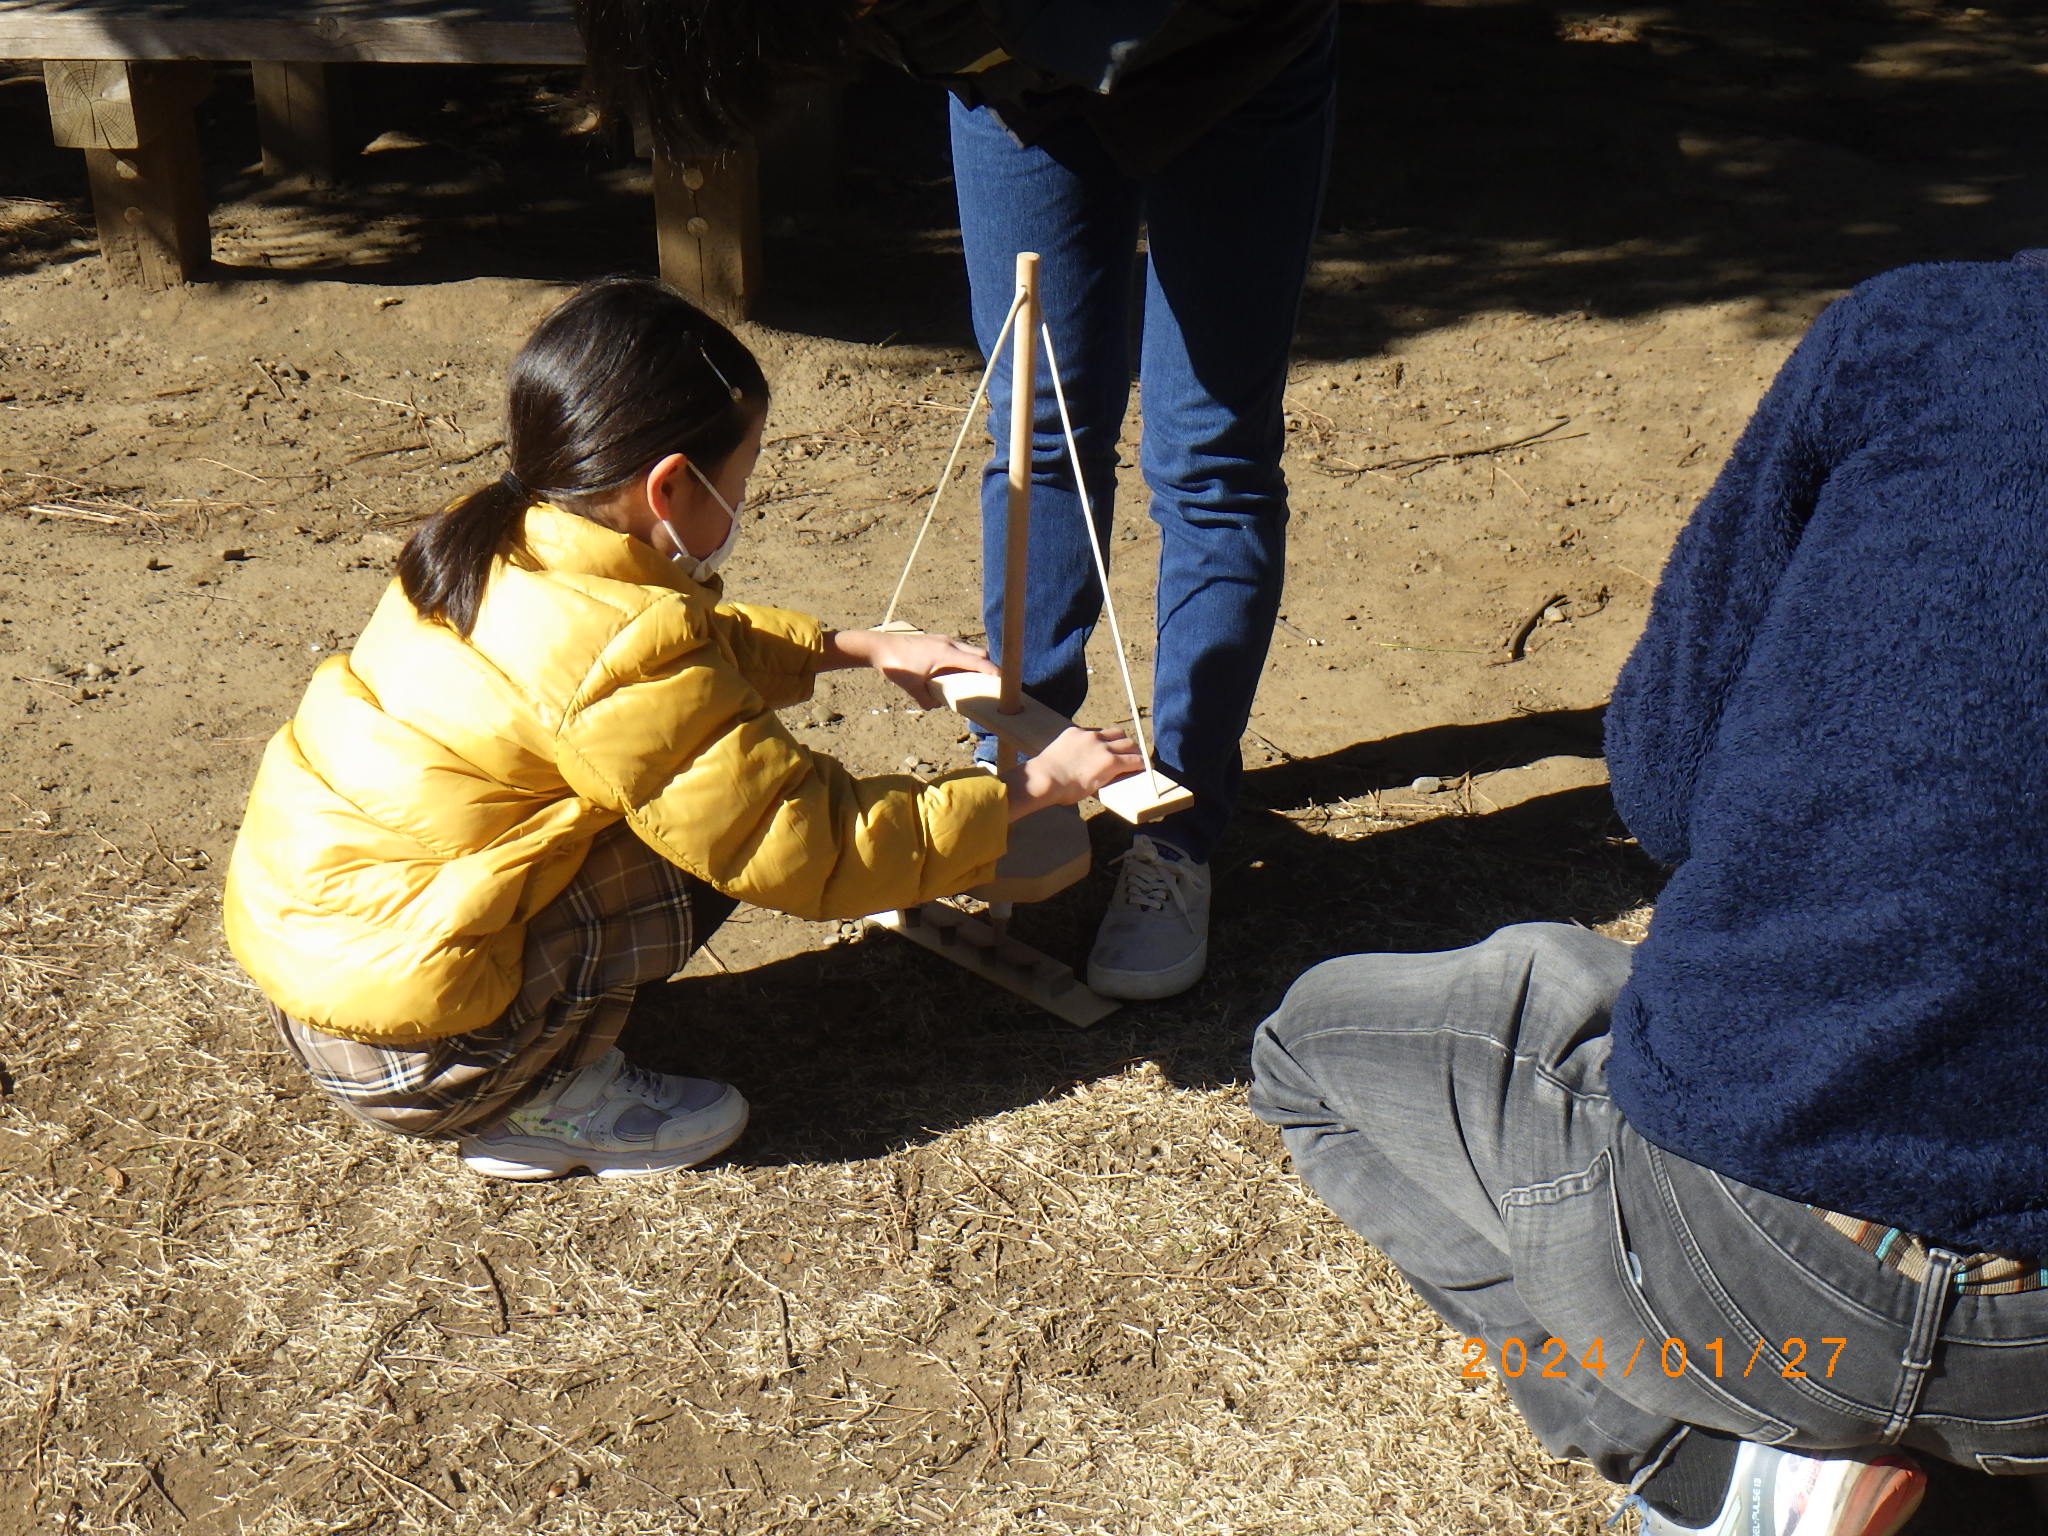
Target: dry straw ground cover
column 223, row 1309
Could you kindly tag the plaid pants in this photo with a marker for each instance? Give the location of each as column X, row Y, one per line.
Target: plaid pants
column 628, row 918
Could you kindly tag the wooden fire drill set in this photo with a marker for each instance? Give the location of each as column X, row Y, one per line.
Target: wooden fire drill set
column 1048, row 850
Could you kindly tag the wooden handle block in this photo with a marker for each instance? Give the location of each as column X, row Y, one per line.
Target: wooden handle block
column 1142, row 797
column 1048, row 852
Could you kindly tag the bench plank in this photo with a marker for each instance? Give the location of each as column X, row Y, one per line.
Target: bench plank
column 319, row 31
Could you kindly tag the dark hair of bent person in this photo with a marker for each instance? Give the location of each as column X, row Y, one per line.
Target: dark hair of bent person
column 706, row 74
column 625, row 372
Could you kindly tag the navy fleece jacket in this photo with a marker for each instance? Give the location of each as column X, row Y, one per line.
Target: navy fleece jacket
column 1836, row 728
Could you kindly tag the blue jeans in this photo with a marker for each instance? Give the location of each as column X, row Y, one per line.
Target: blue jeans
column 1228, row 225
column 1453, row 1109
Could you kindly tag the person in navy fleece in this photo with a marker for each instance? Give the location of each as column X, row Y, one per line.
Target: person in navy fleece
column 1763, row 1203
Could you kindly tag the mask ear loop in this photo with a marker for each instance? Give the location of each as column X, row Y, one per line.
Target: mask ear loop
column 731, row 512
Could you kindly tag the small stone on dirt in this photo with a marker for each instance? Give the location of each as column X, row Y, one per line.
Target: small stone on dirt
column 1428, row 784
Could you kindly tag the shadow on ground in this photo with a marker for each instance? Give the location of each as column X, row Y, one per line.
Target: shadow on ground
column 1490, row 156
column 860, row 1048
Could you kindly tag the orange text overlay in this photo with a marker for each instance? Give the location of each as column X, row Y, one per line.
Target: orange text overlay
column 1674, row 1357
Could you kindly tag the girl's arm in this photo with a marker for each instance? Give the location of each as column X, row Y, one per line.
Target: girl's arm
column 668, row 732
column 1079, row 760
column 909, row 659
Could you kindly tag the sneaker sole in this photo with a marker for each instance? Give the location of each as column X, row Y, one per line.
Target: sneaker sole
column 1145, row 986
column 534, row 1160
column 1881, row 1506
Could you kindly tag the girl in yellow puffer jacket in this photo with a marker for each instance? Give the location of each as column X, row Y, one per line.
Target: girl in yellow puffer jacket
column 551, row 765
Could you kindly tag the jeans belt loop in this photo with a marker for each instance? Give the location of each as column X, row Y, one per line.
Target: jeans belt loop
column 1937, row 1291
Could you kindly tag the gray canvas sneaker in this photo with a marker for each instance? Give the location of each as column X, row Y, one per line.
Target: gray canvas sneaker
column 1154, row 939
column 615, row 1119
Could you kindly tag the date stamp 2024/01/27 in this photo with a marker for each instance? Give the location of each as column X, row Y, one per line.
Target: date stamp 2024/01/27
column 1554, row 1358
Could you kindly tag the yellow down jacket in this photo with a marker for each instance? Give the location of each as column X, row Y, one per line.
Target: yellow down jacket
column 433, row 793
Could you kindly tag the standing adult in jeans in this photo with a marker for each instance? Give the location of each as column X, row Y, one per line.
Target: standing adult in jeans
column 1754, row 1215
column 1075, row 124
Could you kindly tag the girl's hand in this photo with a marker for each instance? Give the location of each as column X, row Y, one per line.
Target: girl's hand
column 909, row 659
column 1078, row 763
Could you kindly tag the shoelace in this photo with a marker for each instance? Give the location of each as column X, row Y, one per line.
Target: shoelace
column 1149, row 881
column 648, row 1086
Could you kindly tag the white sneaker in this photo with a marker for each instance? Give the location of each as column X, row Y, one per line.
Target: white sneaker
column 1154, row 939
column 1773, row 1492
column 615, row 1119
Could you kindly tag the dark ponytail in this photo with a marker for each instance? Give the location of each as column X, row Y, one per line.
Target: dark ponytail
column 624, row 373
column 704, row 75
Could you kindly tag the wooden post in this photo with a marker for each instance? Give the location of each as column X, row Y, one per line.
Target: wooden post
column 295, row 119
column 708, row 221
column 134, row 122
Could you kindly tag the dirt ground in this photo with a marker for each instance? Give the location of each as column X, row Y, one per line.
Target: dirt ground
column 971, row 1271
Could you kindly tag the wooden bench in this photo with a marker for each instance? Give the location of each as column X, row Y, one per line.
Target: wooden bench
column 123, row 77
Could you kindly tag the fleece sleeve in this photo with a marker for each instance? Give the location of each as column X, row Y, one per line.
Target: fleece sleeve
column 1717, row 588
column 670, row 733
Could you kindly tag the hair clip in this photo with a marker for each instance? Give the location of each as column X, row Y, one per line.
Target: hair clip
column 718, row 372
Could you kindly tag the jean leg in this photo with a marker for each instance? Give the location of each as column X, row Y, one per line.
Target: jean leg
column 1229, row 225
column 1064, row 199
column 1452, row 1109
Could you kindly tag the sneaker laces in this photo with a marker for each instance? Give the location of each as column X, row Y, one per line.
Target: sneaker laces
column 671, row 1094
column 643, row 1083
column 1148, row 879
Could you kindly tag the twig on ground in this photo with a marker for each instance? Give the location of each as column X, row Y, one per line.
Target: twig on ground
column 385, row 1472
column 1517, row 645
column 1346, row 471
column 497, row 1293
column 245, row 474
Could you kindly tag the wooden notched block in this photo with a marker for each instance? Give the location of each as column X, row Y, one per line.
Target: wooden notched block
column 1143, row 797
column 970, row 943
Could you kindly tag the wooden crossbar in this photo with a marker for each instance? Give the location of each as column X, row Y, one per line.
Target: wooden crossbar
column 1144, row 796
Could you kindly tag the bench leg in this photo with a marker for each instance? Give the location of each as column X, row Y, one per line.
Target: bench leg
column 134, row 121
column 800, row 161
column 707, row 216
column 295, row 119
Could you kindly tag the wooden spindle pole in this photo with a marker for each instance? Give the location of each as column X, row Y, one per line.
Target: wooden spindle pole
column 1017, row 544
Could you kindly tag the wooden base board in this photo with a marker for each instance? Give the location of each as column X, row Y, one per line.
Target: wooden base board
column 970, row 943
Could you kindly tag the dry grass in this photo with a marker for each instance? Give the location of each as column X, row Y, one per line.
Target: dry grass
column 224, row 1307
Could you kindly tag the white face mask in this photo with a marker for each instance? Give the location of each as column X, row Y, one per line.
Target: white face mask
column 702, row 569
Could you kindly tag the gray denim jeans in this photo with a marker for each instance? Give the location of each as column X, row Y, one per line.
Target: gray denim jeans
column 1453, row 1109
